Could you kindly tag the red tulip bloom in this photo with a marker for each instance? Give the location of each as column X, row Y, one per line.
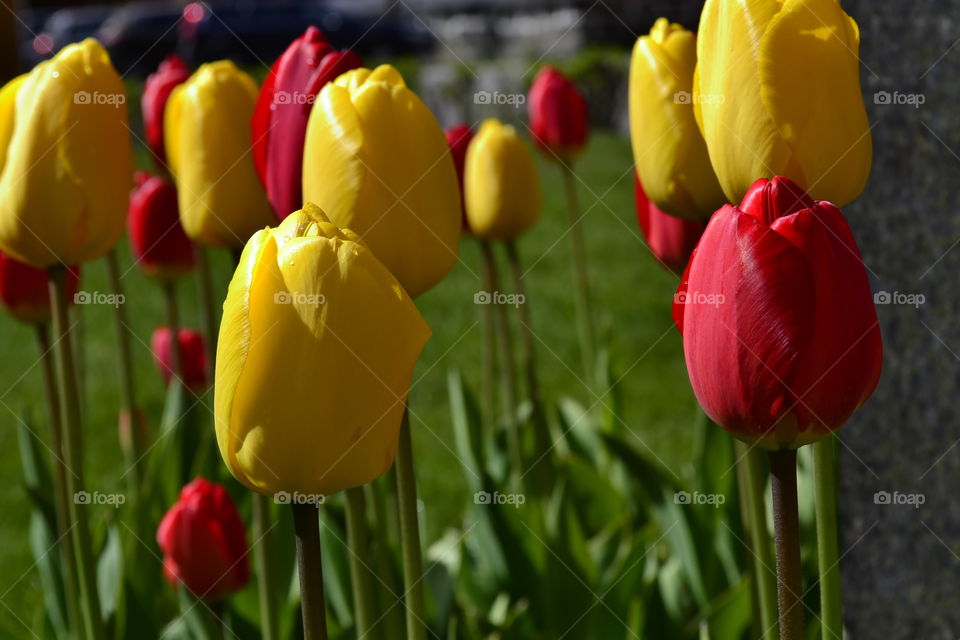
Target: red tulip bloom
column 171, row 72
column 193, row 356
column 779, row 329
column 159, row 244
column 283, row 108
column 558, row 115
column 204, row 543
column 24, row 290
column 459, row 137
column 670, row 239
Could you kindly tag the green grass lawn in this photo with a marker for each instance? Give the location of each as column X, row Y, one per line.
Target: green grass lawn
column 631, row 298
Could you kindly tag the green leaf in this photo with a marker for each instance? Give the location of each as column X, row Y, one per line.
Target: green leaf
column 467, row 431
column 728, row 615
column 44, row 545
column 110, row 574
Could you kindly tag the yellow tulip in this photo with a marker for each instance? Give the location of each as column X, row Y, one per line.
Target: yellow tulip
column 316, row 352
column 669, row 151
column 501, row 185
column 65, row 159
column 780, row 81
column 376, row 161
column 207, row 139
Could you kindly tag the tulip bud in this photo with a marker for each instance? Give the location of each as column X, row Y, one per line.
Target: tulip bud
column 312, row 301
column 458, row 138
column 193, row 356
column 67, row 163
column 558, row 115
column 669, row 151
column 779, row 329
column 207, row 134
column 24, row 290
column 376, row 161
column 501, row 183
column 156, row 91
column 204, row 543
column 670, row 239
column 283, row 108
column 159, row 245
column 779, row 94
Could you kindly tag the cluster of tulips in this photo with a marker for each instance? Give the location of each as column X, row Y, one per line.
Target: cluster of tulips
column 342, row 200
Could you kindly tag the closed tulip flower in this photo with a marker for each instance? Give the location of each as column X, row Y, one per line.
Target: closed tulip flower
column 312, row 301
column 159, row 245
column 156, row 91
column 501, row 183
column 779, row 329
column 376, row 161
column 193, row 356
column 282, row 111
column 459, row 137
column 204, row 542
column 66, row 173
column 670, row 239
column 207, row 134
column 781, row 87
column 558, row 115
column 668, row 149
column 24, row 290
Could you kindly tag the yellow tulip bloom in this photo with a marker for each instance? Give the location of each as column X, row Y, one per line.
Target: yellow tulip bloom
column 208, row 143
column 316, row 352
column 501, row 185
column 668, row 149
column 65, row 159
column 786, row 78
column 376, row 161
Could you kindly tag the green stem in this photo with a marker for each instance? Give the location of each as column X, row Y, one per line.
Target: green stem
column 313, row 606
column 261, row 557
column 173, row 324
column 750, row 474
column 581, row 279
column 828, row 551
column 208, row 310
column 388, row 589
column 360, row 577
column 487, row 314
column 62, row 494
column 73, row 450
column 786, row 521
column 410, row 534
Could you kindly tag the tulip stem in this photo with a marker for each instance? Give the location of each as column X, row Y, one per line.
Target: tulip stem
column 388, row 591
column 173, row 324
column 410, row 533
column 487, row 314
column 786, row 521
column 62, row 497
column 261, row 556
column 359, row 554
column 306, row 526
column 208, row 311
column 753, row 488
column 580, row 276
column 828, row 551
column 70, row 414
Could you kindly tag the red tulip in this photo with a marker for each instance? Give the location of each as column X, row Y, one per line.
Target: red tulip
column 159, row 244
column 779, row 329
column 670, row 239
column 24, row 290
column 283, row 108
column 459, row 137
column 193, row 356
column 558, row 115
column 204, row 542
column 171, row 72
